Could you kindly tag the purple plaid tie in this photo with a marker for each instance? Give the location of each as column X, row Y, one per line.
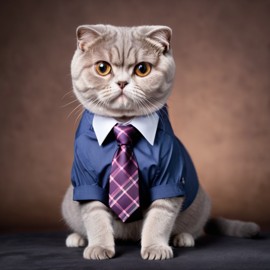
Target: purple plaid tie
column 124, row 178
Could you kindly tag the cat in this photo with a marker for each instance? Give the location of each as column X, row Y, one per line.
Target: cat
column 126, row 73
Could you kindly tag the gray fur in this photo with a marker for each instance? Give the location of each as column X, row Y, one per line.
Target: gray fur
column 92, row 223
column 123, row 48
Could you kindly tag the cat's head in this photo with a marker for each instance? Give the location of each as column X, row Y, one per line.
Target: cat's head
column 123, row 71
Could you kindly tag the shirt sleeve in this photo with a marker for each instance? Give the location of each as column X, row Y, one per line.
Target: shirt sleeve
column 83, row 177
column 168, row 182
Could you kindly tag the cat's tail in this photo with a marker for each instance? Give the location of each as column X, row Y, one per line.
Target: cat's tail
column 228, row 227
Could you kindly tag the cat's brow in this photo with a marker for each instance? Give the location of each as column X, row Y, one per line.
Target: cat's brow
column 129, row 51
column 116, row 50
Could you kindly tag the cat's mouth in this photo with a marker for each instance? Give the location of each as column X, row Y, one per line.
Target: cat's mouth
column 121, row 99
column 120, row 105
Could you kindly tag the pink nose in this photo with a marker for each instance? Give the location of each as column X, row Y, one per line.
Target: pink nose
column 122, row 84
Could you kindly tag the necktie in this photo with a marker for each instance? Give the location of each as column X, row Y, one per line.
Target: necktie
column 124, row 177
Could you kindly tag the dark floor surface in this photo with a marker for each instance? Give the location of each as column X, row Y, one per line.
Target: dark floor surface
column 48, row 251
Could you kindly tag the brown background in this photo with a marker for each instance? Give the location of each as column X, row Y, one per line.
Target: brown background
column 220, row 107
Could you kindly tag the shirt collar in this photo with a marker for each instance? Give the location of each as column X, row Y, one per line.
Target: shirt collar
column 147, row 125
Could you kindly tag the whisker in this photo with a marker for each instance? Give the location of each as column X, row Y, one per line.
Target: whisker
column 143, row 102
column 78, row 106
column 69, row 103
column 79, row 115
column 68, row 93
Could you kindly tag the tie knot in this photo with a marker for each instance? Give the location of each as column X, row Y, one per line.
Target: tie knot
column 124, row 134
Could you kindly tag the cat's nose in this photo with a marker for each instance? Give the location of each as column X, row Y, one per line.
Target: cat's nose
column 122, row 84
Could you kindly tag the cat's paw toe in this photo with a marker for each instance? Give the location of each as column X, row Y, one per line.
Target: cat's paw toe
column 75, row 240
column 98, row 253
column 183, row 240
column 157, row 252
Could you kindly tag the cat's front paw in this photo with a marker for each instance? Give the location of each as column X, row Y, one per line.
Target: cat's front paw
column 75, row 240
column 98, row 253
column 157, row 252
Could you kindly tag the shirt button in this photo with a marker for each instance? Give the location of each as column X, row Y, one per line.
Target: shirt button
column 183, row 180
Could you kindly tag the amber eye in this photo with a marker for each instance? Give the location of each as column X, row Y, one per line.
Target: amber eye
column 103, row 68
column 143, row 69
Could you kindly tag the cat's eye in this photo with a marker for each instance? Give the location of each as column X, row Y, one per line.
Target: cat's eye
column 103, row 68
column 143, row 69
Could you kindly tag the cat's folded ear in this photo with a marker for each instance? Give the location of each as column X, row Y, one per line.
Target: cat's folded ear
column 158, row 36
column 88, row 35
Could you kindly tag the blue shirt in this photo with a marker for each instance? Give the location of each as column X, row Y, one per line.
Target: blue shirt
column 165, row 168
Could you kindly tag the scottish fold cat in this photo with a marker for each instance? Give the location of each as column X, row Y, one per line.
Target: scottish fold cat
column 125, row 75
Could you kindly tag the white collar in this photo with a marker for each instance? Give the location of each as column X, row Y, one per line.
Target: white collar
column 147, row 125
